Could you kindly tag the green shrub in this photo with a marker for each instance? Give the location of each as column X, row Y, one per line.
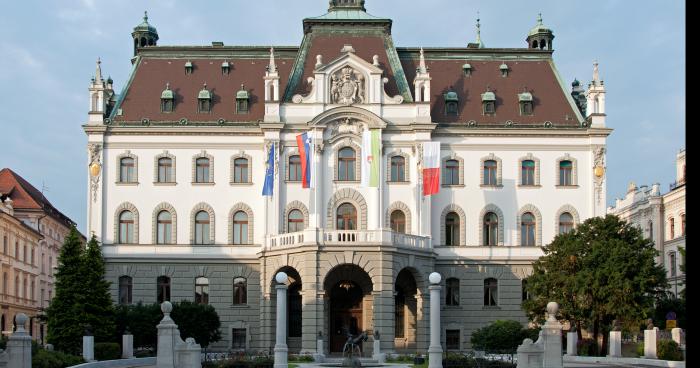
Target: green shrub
column 3, row 342
column 586, row 347
column 300, row 358
column 668, row 350
column 501, row 337
column 107, row 351
column 640, row 349
column 54, row 359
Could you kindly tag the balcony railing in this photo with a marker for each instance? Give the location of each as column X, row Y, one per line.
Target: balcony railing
column 322, row 237
column 676, row 184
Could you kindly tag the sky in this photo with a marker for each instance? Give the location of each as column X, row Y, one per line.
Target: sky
column 49, row 48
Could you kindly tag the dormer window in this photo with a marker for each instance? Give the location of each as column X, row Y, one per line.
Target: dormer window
column 204, row 100
column 167, row 99
column 225, row 68
column 488, row 101
column 504, row 70
column 467, row 69
column 526, row 105
column 451, row 103
column 242, row 101
column 188, row 67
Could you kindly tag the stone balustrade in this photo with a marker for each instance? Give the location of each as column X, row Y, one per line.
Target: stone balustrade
column 323, row 237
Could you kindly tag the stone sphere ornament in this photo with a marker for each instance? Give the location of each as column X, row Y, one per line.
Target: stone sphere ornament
column 20, row 321
column 281, row 277
column 166, row 307
column 435, row 278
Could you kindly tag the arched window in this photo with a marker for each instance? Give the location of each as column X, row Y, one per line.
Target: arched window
column 126, row 228
column 534, row 44
column 295, row 221
column 165, row 170
column 398, row 221
column 346, row 164
column 528, row 172
column 346, row 217
column 452, row 291
column 163, row 291
column 672, row 263
column 294, row 168
column 452, row 229
column 451, row 172
column 398, row 169
column 127, row 170
column 682, row 226
column 240, row 170
column 5, row 290
column 201, row 228
column 527, row 230
column 240, row 228
column 165, row 228
column 490, row 172
column 566, row 173
column 490, row 292
column 201, row 290
column 202, row 170
column 125, row 287
column 566, row 223
column 651, row 230
column 240, row 291
column 672, row 223
column 490, row 229
column 17, row 295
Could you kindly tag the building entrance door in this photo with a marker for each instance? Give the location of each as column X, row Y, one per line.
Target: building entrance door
column 346, row 314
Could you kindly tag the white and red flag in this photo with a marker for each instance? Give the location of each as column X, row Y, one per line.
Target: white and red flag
column 431, row 168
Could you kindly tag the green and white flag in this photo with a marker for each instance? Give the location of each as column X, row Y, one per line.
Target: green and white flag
column 371, row 158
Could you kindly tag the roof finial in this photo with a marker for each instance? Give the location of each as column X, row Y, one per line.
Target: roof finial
column 478, row 30
column 539, row 18
column 596, row 77
column 272, row 66
column 167, row 85
column 145, row 16
column 421, row 66
column 98, row 70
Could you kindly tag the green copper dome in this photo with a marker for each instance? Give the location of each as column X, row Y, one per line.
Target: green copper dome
column 167, row 93
column 204, row 94
column 242, row 94
column 488, row 96
column 451, row 96
column 145, row 26
column 539, row 28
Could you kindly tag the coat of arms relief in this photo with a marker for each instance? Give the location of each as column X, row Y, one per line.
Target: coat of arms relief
column 347, row 86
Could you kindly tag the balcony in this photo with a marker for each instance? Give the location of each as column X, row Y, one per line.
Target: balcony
column 359, row 238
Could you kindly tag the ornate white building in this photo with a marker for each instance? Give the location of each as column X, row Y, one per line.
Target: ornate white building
column 662, row 218
column 177, row 165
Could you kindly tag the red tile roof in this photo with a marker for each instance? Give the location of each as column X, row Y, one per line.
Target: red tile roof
column 26, row 197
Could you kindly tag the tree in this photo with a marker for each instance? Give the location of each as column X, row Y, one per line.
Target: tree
column 97, row 309
column 603, row 270
column 197, row 320
column 682, row 267
column 501, row 337
column 63, row 314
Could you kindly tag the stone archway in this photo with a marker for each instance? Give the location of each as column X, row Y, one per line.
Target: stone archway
column 348, row 304
column 294, row 307
column 405, row 310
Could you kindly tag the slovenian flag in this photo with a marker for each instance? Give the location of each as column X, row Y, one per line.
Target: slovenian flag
column 371, row 158
column 431, row 168
column 305, row 154
column 270, row 172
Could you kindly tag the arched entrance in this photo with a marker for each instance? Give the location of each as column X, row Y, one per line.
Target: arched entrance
column 405, row 311
column 348, row 304
column 294, row 308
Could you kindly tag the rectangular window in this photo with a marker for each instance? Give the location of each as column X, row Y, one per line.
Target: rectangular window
column 238, row 338
column 566, row 173
column 294, row 168
column 452, row 172
column 528, row 173
column 672, row 262
column 452, row 339
column 202, row 170
column 398, row 167
column 490, row 172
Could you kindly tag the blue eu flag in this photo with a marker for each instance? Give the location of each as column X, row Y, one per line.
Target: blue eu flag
column 270, row 173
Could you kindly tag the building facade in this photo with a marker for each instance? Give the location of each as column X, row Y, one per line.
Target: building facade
column 662, row 219
column 178, row 159
column 32, row 233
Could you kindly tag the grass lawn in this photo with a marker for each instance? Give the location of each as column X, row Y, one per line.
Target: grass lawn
column 293, row 365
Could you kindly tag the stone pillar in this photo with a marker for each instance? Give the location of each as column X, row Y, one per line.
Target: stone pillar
column 319, row 357
column 650, row 344
column 435, row 349
column 677, row 335
column 552, row 338
column 571, row 343
column 89, row 348
column 281, row 327
column 19, row 345
column 615, row 348
column 127, row 346
column 168, row 336
column 377, row 349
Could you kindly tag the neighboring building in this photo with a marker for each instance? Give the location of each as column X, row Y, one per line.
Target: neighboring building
column 39, row 236
column 177, row 163
column 662, row 218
